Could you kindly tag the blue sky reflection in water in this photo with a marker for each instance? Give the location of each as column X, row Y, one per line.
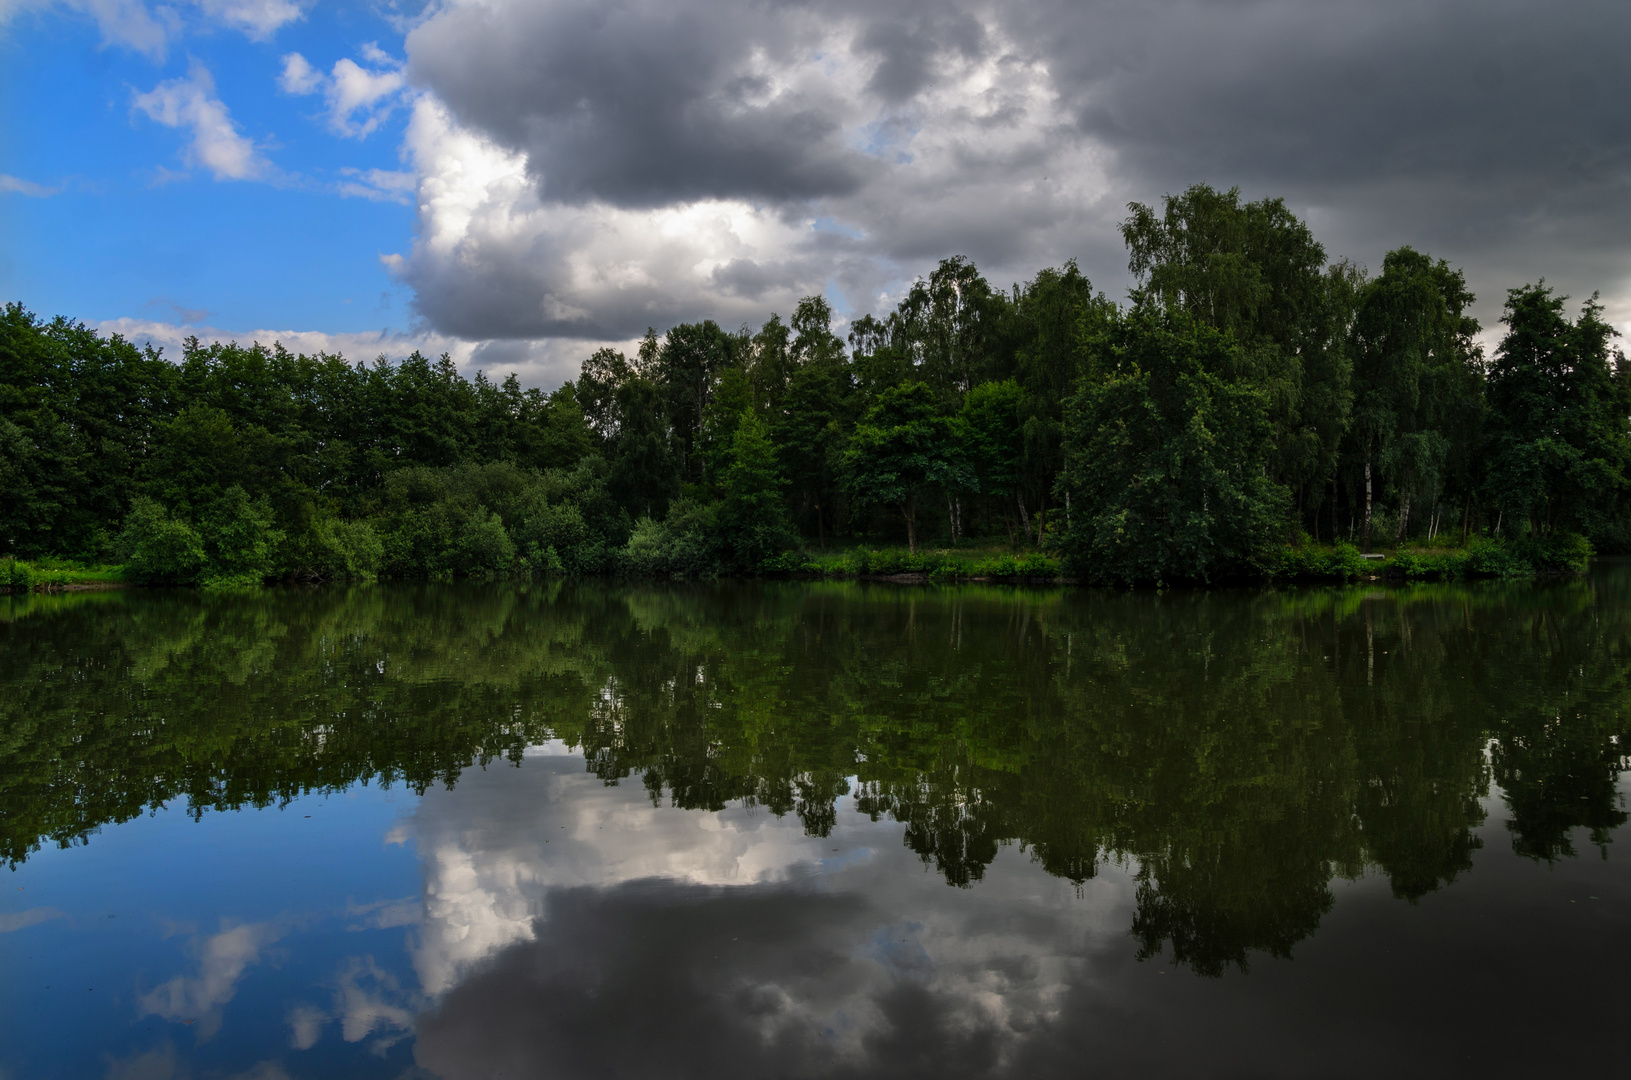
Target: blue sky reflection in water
column 854, row 831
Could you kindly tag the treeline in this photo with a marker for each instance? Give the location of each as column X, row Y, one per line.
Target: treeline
column 1249, row 396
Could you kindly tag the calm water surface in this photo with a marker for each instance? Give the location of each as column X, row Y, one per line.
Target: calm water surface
column 810, row 830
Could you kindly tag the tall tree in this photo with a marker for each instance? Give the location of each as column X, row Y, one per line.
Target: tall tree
column 1050, row 315
column 644, row 474
column 688, row 365
column 993, row 420
column 807, row 434
column 1254, row 271
column 1559, row 446
column 1416, row 380
column 902, row 451
column 752, row 518
column 1165, row 452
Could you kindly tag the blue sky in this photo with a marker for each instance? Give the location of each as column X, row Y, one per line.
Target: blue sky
column 133, row 231
column 518, row 182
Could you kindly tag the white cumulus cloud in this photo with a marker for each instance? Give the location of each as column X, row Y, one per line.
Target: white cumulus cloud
column 358, row 98
column 258, row 19
column 217, row 145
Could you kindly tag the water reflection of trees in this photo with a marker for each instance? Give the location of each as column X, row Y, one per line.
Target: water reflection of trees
column 1238, row 750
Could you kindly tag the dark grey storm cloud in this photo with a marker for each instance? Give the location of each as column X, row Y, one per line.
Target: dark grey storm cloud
column 1497, row 132
column 1496, row 135
column 640, row 104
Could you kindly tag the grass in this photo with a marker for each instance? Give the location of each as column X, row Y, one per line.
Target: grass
column 976, row 562
column 52, row 573
column 1481, row 556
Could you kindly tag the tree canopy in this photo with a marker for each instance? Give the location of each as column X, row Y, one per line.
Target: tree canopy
column 1249, row 395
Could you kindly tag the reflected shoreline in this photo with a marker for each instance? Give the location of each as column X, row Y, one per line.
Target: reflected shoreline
column 1244, row 747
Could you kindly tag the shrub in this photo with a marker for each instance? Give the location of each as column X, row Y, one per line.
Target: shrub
column 1340, row 562
column 349, row 549
column 483, row 547
column 1560, row 553
column 1446, row 565
column 160, row 549
column 1495, row 559
column 15, row 574
column 680, row 545
column 549, row 528
column 240, row 544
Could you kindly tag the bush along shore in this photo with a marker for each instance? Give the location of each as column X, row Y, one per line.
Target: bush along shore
column 1563, row 554
column 1254, row 410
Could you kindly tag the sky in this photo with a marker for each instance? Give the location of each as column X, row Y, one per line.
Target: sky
column 517, row 182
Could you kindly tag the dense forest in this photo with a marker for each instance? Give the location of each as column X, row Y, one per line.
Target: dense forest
column 1251, row 397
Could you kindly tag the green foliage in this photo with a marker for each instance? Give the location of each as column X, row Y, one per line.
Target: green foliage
column 483, row 546
column 1254, row 271
column 993, row 424
column 159, row 548
column 1337, row 562
column 1559, row 444
column 752, row 520
column 52, row 574
column 1442, row 565
column 904, row 447
column 240, row 540
column 680, row 545
column 960, row 565
column 1166, row 451
column 644, row 474
column 1417, row 386
column 16, row 575
column 1251, row 392
column 345, row 549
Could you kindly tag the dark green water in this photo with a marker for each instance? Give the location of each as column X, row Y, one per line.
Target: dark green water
column 589, row 830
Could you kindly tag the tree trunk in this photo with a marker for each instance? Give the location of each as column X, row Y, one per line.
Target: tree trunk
column 1024, row 518
column 951, row 517
column 821, row 532
column 1336, row 524
column 1404, row 518
column 909, row 512
column 1366, row 546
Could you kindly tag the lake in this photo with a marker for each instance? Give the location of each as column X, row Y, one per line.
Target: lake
column 586, row 829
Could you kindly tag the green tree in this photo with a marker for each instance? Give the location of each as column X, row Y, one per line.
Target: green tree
column 240, row 540
column 1045, row 328
column 1255, row 271
column 903, row 449
column 752, row 519
column 731, row 398
column 807, row 434
column 1165, row 456
column 688, row 367
column 158, row 548
column 992, row 418
column 1417, row 381
column 1558, row 441
column 644, row 474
